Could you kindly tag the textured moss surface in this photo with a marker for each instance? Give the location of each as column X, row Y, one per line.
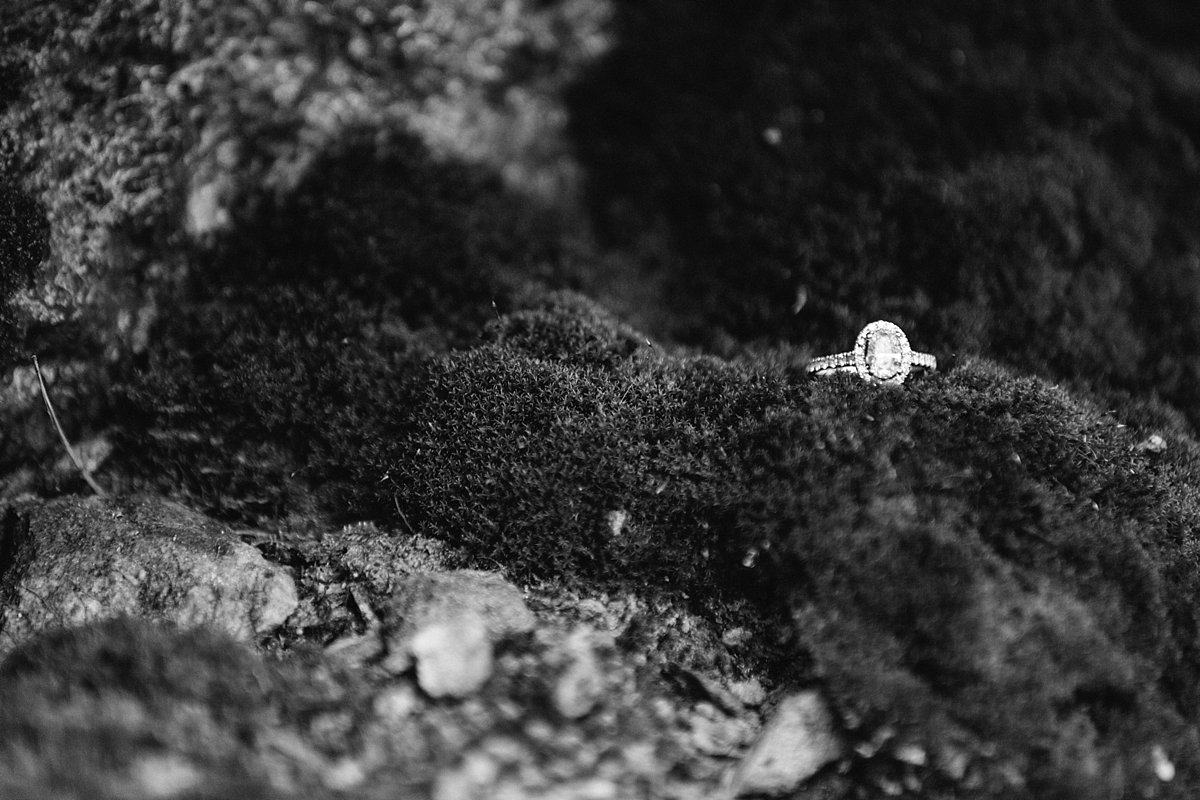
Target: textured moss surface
column 977, row 560
column 150, row 128
column 1011, row 179
column 336, row 262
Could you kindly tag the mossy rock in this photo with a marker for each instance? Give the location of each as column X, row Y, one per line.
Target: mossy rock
column 974, row 557
column 977, row 561
column 148, row 133
column 73, row 561
column 982, row 567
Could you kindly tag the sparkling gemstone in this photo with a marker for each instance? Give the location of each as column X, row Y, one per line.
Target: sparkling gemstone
column 884, row 356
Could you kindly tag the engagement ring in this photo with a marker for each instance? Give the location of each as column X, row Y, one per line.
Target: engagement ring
column 881, row 354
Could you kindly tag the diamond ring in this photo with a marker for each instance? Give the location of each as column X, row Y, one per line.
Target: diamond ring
column 881, row 354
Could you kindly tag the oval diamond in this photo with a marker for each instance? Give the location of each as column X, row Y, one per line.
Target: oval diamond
column 885, row 356
column 882, row 353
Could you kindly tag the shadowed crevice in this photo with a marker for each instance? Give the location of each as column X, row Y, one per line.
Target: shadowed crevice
column 24, row 245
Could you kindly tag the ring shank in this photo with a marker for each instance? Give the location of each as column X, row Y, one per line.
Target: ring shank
column 844, row 362
column 925, row 361
column 837, row 362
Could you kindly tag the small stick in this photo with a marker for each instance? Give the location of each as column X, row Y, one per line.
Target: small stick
column 87, row 476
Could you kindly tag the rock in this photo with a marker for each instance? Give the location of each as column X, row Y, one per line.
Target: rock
column 616, row 521
column 581, row 684
column 421, row 600
column 953, row 761
column 736, row 637
column 699, row 685
column 1154, row 444
column 355, row 648
column 472, row 778
column 91, row 452
column 165, row 776
column 76, row 560
column 749, row 692
column 794, row 745
column 206, row 212
column 344, row 774
column 716, row 734
column 911, row 754
column 454, row 656
column 1164, row 770
column 396, row 704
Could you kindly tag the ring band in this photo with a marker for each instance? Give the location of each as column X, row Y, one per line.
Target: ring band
column 881, row 354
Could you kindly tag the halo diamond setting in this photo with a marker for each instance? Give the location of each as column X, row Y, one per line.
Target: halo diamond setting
column 881, row 354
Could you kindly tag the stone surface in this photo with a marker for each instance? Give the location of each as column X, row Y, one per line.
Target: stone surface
column 76, row 560
column 749, row 692
column 1164, row 770
column 1041, row 577
column 439, row 598
column 581, row 684
column 1155, row 443
column 794, row 745
column 165, row 776
column 717, row 734
column 454, row 656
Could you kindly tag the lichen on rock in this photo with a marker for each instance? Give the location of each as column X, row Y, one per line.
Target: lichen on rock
column 72, row 561
column 148, row 124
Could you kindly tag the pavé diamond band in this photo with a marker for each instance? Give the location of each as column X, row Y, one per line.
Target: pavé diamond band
column 881, row 354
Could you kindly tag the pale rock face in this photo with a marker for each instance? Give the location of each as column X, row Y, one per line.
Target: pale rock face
column 77, row 561
column 423, row 600
column 454, row 657
column 800, row 739
column 581, row 685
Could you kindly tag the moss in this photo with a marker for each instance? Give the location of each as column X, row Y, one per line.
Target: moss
column 976, row 557
column 973, row 552
column 297, row 358
column 82, row 702
column 556, row 469
column 149, row 127
column 981, row 560
column 1048, row 616
column 1003, row 180
column 567, row 327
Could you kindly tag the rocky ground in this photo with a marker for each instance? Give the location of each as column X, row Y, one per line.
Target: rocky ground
column 441, row 366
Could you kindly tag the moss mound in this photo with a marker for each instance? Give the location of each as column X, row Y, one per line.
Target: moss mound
column 976, row 562
column 977, row 559
column 149, row 130
column 330, row 310
column 1013, row 180
column 292, row 362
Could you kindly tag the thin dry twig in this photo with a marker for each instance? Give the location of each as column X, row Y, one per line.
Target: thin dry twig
column 87, row 475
